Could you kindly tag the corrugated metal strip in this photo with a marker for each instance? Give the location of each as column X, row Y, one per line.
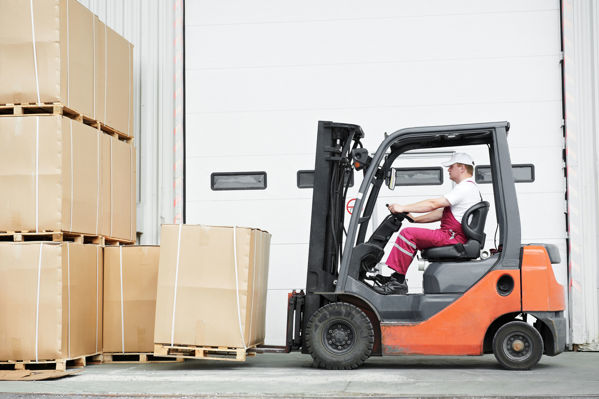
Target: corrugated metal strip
column 581, row 84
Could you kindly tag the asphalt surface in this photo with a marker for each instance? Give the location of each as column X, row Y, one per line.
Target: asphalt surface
column 571, row 374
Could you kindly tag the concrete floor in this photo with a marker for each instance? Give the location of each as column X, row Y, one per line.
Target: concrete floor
column 291, row 375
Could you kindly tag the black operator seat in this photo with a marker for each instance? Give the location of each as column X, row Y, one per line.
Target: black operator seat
column 473, row 226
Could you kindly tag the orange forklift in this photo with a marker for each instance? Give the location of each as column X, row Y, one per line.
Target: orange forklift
column 508, row 304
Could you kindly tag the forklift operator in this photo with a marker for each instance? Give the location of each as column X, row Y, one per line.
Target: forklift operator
column 449, row 209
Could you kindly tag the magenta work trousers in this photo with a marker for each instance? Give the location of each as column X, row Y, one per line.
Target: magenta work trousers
column 412, row 239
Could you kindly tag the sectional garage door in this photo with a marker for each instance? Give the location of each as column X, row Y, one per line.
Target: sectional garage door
column 260, row 74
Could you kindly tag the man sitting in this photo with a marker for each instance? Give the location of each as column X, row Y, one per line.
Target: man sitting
column 449, row 209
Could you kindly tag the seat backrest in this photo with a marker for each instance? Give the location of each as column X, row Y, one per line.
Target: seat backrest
column 473, row 222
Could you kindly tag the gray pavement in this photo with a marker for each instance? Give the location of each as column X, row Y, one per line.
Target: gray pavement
column 571, row 374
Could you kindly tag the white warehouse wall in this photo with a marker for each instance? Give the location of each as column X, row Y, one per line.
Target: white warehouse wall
column 260, row 74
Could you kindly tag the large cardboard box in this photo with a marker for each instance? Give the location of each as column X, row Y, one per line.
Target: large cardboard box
column 50, row 300
column 57, row 174
column 130, row 278
column 58, row 52
column 113, row 94
column 205, row 297
column 118, row 194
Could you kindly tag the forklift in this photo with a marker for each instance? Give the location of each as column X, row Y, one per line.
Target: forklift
column 508, row 303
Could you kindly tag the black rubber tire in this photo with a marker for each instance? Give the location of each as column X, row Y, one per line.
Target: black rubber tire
column 339, row 336
column 517, row 333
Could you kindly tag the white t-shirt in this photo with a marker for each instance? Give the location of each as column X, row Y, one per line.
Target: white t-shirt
column 462, row 197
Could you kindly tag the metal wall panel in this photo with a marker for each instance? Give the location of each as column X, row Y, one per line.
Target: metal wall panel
column 581, row 82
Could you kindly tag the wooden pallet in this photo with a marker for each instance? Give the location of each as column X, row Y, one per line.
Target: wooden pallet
column 115, row 133
column 56, row 236
column 203, row 352
column 46, row 109
column 55, row 364
column 62, row 110
column 115, row 242
column 119, row 357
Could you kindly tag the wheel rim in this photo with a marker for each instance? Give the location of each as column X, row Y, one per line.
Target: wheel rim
column 338, row 337
column 518, row 346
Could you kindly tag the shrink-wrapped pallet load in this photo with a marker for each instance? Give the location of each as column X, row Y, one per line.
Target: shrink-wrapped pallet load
column 50, row 301
column 57, row 174
column 212, row 284
column 130, row 277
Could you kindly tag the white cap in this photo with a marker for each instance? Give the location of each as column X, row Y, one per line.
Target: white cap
column 459, row 157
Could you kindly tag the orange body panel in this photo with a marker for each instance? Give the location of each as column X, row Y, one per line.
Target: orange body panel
column 540, row 289
column 460, row 328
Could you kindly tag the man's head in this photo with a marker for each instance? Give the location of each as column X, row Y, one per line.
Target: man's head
column 461, row 166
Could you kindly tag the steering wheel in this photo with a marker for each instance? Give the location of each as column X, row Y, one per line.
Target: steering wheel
column 404, row 215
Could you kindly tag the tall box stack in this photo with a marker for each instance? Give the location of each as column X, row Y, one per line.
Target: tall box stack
column 67, row 174
column 65, row 75
column 211, row 289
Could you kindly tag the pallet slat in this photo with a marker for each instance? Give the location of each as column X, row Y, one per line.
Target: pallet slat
column 55, row 364
column 56, row 236
column 113, row 132
column 120, row 357
column 115, row 242
column 203, row 352
column 61, row 236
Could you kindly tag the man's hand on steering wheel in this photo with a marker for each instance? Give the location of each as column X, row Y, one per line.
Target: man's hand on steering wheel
column 397, row 209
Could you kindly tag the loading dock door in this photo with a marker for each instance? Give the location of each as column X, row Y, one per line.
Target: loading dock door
column 260, row 74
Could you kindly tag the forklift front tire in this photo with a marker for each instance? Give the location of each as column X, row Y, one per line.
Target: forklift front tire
column 339, row 336
column 517, row 346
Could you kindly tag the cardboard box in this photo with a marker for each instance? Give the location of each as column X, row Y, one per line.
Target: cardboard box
column 57, row 174
column 50, row 300
column 204, row 297
column 117, row 194
column 130, row 278
column 68, row 56
column 113, row 95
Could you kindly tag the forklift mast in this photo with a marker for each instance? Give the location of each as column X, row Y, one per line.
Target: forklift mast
column 333, row 174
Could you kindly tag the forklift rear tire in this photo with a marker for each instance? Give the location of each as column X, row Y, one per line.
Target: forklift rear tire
column 339, row 336
column 517, row 346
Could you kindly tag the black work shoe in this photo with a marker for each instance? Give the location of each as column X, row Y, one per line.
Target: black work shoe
column 379, row 278
column 392, row 287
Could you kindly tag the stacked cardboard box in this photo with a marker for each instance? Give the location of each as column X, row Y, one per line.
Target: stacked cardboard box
column 50, row 301
column 211, row 287
column 67, row 56
column 130, row 278
column 67, row 168
column 57, row 174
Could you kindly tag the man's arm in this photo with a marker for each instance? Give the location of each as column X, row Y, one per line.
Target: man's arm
column 428, row 205
column 430, row 217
